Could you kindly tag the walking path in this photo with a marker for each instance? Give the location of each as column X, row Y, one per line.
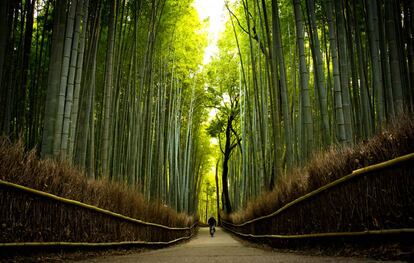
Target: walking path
column 221, row 248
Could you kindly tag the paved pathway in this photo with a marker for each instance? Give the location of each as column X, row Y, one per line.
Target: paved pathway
column 221, row 248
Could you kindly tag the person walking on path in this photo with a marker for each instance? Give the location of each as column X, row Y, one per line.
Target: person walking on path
column 212, row 224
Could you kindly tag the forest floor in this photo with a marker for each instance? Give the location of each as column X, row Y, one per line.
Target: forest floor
column 221, row 248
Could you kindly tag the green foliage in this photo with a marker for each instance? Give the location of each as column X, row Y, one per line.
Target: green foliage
column 158, row 97
column 216, row 127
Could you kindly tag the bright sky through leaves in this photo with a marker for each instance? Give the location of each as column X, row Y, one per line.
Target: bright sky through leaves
column 213, row 10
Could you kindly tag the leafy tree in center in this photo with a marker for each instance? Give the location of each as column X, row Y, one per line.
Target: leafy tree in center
column 224, row 96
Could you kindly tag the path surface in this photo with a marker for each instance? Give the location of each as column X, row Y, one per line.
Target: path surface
column 221, row 248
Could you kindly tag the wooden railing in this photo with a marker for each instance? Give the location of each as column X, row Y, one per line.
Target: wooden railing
column 290, row 221
column 34, row 218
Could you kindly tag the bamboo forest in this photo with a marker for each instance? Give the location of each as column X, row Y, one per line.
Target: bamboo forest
column 174, row 111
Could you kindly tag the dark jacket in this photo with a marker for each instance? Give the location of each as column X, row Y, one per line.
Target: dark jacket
column 212, row 221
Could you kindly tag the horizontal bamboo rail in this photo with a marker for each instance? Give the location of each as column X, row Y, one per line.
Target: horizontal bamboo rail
column 89, row 207
column 354, row 174
column 84, row 244
column 330, row 234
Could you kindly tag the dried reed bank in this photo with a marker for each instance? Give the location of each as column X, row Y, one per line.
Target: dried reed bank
column 28, row 218
column 336, row 162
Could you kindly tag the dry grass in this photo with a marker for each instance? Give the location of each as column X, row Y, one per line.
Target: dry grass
column 325, row 167
column 62, row 179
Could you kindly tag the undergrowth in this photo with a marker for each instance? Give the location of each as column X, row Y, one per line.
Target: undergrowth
column 325, row 167
column 62, row 179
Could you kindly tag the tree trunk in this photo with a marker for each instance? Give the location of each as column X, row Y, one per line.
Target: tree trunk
column 225, row 172
column 85, row 103
column 339, row 114
column 55, row 66
column 343, row 68
column 108, row 92
column 278, row 52
column 57, row 140
column 393, row 56
column 78, row 80
column 307, row 123
column 69, row 101
column 4, row 32
column 217, row 193
column 320, row 75
column 27, row 47
column 373, row 37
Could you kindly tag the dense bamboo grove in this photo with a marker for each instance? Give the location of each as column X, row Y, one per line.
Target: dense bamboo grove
column 306, row 75
column 109, row 86
column 118, row 88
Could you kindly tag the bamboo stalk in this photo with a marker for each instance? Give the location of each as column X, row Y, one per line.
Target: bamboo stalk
column 354, row 174
column 89, row 207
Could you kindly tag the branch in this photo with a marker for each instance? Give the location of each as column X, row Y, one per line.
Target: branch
column 255, row 36
column 221, row 148
column 238, row 139
column 238, row 21
column 235, row 144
